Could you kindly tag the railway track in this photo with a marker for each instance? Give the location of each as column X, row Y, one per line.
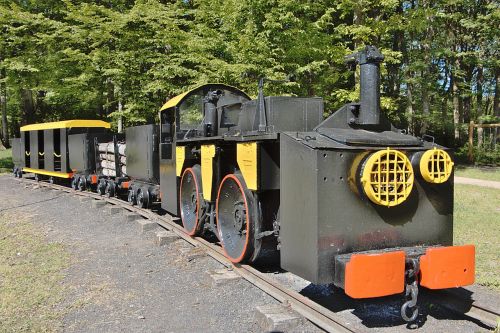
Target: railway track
column 314, row 312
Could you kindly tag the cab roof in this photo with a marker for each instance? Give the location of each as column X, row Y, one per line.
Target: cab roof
column 66, row 124
column 175, row 101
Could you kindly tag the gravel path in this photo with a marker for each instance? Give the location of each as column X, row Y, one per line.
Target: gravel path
column 120, row 281
column 477, row 182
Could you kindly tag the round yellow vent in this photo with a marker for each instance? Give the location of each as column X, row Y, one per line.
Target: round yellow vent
column 436, row 166
column 387, row 177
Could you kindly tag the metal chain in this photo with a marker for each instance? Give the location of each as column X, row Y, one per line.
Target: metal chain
column 411, row 291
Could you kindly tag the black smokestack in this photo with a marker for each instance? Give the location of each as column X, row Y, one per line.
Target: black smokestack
column 369, row 63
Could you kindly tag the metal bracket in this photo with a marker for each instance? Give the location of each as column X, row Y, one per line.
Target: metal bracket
column 265, row 234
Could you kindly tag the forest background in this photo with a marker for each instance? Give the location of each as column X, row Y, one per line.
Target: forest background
column 110, row 59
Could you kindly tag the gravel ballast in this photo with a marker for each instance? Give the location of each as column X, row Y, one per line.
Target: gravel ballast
column 120, row 280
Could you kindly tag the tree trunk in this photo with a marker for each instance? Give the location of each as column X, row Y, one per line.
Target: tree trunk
column 101, row 101
column 496, row 98
column 425, row 106
column 409, row 109
column 110, row 98
column 496, row 106
column 479, row 103
column 456, row 102
column 28, row 106
column 3, row 106
column 120, row 117
column 358, row 20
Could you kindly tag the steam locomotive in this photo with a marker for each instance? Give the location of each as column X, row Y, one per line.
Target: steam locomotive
column 348, row 200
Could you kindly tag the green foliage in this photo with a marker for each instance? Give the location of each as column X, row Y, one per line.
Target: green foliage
column 73, row 58
column 485, row 155
column 6, row 163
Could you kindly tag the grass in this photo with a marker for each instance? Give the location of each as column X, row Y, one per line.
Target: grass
column 6, row 163
column 477, row 221
column 30, row 277
column 486, row 173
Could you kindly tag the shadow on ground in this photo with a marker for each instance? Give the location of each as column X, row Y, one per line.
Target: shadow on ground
column 382, row 311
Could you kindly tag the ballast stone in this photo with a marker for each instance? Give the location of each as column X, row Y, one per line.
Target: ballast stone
column 84, row 199
column 98, row 203
column 165, row 237
column 132, row 217
column 145, row 225
column 114, row 209
column 276, row 317
column 223, row 276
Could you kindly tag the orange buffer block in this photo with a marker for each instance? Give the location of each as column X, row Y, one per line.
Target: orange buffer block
column 447, row 267
column 375, row 275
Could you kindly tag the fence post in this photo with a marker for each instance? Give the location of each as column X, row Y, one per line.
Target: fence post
column 471, row 141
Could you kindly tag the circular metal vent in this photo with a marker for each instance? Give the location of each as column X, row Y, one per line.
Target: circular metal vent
column 435, row 166
column 387, row 177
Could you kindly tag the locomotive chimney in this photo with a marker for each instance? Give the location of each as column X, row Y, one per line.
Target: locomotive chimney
column 369, row 61
column 369, row 64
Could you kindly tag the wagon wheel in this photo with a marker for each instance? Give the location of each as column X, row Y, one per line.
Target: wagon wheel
column 191, row 201
column 74, row 183
column 101, row 187
column 131, row 197
column 237, row 217
column 82, row 184
column 110, row 189
column 143, row 198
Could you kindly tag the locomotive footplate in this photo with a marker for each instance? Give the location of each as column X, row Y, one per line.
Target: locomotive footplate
column 391, row 271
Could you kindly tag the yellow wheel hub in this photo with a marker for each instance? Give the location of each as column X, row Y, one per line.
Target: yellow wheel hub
column 387, row 177
column 435, row 166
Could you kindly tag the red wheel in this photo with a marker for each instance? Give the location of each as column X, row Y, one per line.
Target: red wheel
column 191, row 201
column 237, row 216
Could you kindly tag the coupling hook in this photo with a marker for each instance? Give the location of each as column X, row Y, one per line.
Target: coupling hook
column 411, row 291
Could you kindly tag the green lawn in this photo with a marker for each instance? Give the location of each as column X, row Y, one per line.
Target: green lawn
column 477, row 221
column 6, row 163
column 486, row 173
column 30, row 277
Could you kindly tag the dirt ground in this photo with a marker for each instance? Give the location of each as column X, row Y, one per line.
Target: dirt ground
column 477, row 182
column 118, row 280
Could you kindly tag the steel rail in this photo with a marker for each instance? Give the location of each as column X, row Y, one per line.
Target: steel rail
column 314, row 312
column 453, row 301
column 317, row 314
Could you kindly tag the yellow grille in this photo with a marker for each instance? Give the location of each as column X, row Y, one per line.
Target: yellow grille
column 387, row 177
column 436, row 166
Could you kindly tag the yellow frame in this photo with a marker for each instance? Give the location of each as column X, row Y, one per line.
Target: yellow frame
column 247, row 158
column 207, row 170
column 49, row 173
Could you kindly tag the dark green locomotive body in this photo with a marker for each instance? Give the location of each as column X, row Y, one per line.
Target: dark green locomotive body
column 335, row 196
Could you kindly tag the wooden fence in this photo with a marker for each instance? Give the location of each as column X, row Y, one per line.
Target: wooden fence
column 494, row 133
